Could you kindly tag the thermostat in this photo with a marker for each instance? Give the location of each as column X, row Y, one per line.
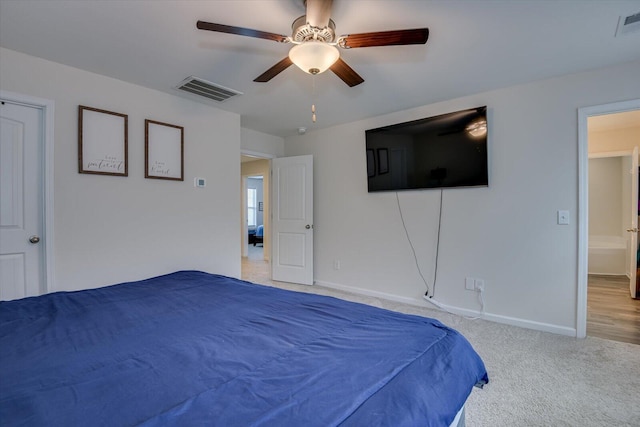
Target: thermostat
column 199, row 182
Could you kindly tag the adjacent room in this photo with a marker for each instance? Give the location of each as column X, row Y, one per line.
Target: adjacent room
column 613, row 223
column 317, row 212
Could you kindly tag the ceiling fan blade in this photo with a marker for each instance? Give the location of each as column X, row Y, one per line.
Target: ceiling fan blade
column 220, row 28
column 346, row 73
column 318, row 12
column 385, row 38
column 274, row 71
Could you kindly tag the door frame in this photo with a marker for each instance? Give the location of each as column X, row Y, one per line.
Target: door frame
column 47, row 141
column 583, row 201
column 245, row 225
column 244, row 248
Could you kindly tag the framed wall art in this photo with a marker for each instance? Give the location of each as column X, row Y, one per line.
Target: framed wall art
column 163, row 151
column 371, row 164
column 102, row 142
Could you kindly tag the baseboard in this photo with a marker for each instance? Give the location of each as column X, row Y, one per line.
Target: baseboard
column 530, row 324
column 595, row 273
column 420, row 302
column 370, row 293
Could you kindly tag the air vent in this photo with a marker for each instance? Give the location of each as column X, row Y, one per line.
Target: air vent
column 628, row 24
column 206, row 89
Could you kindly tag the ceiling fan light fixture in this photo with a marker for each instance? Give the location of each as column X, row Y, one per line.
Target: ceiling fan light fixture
column 314, row 57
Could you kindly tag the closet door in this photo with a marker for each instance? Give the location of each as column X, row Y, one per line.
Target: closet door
column 21, row 206
column 292, row 203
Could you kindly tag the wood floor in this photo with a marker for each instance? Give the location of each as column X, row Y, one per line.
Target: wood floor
column 611, row 313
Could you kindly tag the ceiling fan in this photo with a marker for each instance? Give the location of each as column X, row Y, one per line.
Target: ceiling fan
column 315, row 42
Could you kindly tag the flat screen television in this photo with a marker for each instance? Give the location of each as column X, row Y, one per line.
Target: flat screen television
column 443, row 151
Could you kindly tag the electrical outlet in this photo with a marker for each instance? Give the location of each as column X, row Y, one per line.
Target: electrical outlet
column 336, row 264
column 479, row 285
column 469, row 284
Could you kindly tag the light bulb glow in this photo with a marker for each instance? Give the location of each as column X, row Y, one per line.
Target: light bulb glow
column 477, row 128
column 314, row 57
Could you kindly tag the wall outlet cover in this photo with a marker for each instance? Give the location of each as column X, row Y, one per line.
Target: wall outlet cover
column 469, row 283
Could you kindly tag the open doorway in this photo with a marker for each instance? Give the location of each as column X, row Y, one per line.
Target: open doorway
column 255, row 219
column 608, row 214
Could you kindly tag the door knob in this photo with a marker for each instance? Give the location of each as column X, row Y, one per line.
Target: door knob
column 34, row 239
column 632, row 230
column 307, row 226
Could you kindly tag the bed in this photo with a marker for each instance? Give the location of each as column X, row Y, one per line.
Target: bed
column 259, row 235
column 192, row 348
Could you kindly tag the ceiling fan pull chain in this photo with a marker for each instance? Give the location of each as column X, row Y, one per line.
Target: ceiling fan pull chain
column 313, row 96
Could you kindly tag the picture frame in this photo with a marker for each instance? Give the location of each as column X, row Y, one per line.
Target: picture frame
column 371, row 163
column 163, row 151
column 383, row 161
column 102, row 142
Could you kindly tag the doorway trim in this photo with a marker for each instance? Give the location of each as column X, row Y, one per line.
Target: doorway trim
column 47, row 107
column 583, row 201
column 243, row 228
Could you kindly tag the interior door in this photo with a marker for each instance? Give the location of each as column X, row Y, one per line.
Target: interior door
column 292, row 237
column 633, row 253
column 21, row 201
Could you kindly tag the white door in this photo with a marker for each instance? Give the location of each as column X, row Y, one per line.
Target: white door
column 633, row 253
column 292, row 236
column 21, row 201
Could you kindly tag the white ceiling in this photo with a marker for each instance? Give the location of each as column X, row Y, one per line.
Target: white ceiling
column 474, row 46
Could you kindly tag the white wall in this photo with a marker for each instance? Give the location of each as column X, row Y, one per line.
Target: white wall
column 506, row 234
column 112, row 229
column 618, row 140
column 605, row 196
column 258, row 143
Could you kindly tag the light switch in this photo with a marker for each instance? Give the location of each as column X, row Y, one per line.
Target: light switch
column 563, row 217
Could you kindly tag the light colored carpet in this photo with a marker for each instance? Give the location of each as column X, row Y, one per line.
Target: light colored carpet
column 535, row 378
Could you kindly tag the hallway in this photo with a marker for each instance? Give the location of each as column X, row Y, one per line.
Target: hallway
column 611, row 313
column 254, row 268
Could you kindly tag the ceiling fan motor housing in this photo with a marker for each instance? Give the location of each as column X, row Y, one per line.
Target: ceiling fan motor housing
column 303, row 32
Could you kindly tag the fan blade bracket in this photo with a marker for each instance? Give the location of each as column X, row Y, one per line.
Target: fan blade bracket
column 342, row 42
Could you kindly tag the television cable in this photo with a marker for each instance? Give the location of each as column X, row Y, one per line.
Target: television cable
column 413, row 249
column 431, row 298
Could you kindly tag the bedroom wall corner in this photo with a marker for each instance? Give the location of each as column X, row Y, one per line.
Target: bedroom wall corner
column 112, row 229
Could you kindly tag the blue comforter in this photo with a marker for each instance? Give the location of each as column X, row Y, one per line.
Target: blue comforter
column 194, row 349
